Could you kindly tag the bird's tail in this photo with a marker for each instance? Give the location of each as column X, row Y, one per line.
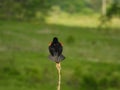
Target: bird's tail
column 56, row 59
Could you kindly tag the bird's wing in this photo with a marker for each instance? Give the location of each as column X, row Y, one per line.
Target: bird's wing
column 60, row 49
column 51, row 50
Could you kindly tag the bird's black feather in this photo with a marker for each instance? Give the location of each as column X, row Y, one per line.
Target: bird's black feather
column 55, row 50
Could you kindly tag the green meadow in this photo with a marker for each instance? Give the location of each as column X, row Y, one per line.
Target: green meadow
column 92, row 54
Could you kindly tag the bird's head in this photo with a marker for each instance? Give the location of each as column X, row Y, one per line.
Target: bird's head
column 55, row 39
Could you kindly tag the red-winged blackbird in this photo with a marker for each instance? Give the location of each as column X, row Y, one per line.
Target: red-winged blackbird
column 55, row 49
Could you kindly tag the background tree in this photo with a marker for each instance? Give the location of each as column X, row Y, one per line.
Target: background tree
column 23, row 9
column 113, row 10
column 103, row 7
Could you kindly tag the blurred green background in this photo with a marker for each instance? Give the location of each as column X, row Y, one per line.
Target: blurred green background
column 88, row 29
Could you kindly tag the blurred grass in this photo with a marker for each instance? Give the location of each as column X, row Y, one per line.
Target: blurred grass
column 92, row 55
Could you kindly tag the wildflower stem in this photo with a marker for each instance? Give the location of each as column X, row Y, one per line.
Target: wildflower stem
column 58, row 66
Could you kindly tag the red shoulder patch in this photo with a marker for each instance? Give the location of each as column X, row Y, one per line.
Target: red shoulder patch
column 50, row 43
column 61, row 43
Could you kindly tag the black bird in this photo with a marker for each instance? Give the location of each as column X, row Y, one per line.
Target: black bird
column 55, row 49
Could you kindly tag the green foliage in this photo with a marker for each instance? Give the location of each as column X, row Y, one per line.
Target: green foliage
column 23, row 10
column 92, row 57
column 113, row 10
column 77, row 6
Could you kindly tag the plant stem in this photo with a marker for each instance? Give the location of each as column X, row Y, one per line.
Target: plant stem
column 58, row 66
